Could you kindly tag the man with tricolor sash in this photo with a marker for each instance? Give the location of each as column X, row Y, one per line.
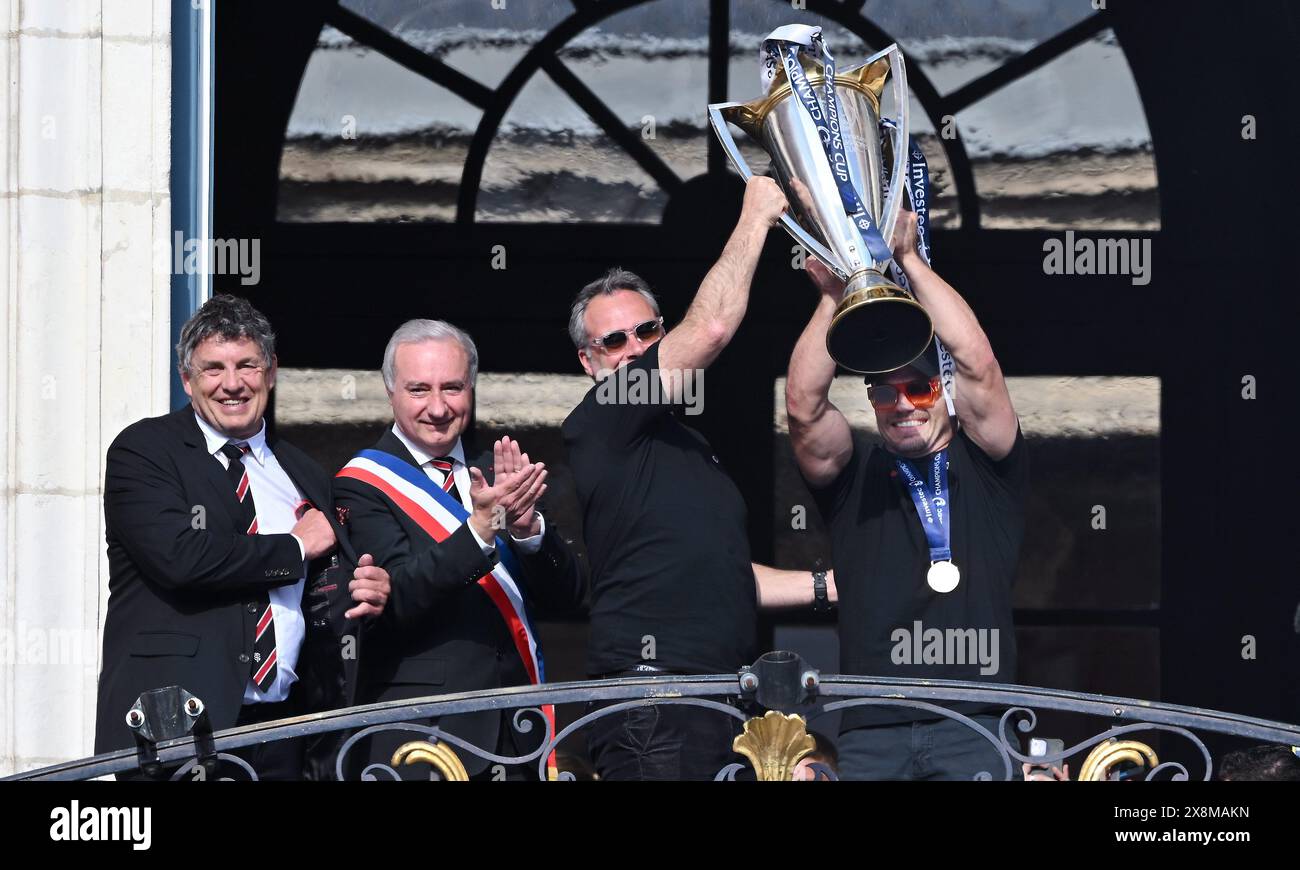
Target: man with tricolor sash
column 469, row 553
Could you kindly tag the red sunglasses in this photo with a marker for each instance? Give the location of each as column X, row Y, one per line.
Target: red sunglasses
column 921, row 393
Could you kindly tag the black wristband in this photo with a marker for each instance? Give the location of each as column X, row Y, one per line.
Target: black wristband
column 821, row 603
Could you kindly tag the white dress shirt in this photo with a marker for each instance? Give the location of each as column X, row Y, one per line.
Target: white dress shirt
column 275, row 498
column 460, row 473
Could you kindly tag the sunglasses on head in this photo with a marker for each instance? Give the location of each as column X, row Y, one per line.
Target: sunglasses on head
column 921, row 393
column 619, row 337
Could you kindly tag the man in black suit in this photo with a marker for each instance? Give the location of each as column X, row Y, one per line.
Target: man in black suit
column 229, row 573
column 468, row 550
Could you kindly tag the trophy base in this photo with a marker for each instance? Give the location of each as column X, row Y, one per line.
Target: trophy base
column 878, row 327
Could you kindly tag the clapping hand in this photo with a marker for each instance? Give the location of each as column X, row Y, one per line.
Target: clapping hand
column 511, row 501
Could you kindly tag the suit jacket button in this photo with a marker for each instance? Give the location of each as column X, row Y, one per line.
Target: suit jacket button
column 243, row 658
column 252, row 607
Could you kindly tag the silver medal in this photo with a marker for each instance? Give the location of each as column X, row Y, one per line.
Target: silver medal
column 943, row 576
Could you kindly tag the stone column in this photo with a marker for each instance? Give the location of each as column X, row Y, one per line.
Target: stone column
column 84, row 205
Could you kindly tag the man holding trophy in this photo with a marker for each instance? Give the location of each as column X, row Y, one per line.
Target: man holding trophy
column 926, row 528
column 888, row 576
column 673, row 590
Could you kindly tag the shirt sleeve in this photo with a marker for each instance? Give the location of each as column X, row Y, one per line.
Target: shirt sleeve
column 302, row 548
column 530, row 545
column 1011, row 470
column 832, row 495
column 488, row 549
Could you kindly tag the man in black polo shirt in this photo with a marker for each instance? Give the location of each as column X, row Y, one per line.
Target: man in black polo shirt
column 672, row 589
column 925, row 529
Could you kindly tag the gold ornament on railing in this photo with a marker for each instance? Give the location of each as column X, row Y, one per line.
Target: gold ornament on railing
column 441, row 756
column 1106, row 756
column 774, row 744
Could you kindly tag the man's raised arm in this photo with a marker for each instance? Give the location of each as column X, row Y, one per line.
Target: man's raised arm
column 720, row 303
column 982, row 401
column 819, row 433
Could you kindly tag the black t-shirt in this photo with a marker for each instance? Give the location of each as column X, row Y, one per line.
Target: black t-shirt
column 665, row 531
column 881, row 558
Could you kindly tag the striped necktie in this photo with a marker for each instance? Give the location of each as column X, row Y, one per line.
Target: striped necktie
column 263, row 668
column 446, row 465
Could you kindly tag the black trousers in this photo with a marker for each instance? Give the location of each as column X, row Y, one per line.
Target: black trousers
column 940, row 749
column 662, row 742
column 275, row 761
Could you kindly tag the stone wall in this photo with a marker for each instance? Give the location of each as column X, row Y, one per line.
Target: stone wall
column 86, row 104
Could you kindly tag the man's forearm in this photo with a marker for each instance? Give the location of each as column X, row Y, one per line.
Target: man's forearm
column 779, row 588
column 720, row 303
column 812, row 371
column 954, row 321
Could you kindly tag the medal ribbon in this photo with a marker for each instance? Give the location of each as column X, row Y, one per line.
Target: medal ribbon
column 918, row 192
column 828, row 130
column 930, row 496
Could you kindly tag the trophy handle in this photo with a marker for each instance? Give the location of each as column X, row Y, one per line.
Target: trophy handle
column 720, row 127
column 898, row 175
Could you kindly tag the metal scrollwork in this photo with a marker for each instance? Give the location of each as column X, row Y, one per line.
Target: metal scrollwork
column 627, row 705
column 189, row 767
column 774, row 714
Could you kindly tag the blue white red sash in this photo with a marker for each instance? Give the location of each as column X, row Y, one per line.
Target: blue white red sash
column 438, row 514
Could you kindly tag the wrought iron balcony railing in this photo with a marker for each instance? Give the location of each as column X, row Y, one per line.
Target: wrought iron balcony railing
column 775, row 699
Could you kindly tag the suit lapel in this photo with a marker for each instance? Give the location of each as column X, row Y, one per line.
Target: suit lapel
column 314, row 486
column 207, row 465
column 391, row 444
column 308, row 484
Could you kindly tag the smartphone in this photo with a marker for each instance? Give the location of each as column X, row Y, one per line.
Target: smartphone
column 1040, row 747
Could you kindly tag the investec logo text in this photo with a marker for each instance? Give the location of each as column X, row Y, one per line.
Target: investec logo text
column 76, row 823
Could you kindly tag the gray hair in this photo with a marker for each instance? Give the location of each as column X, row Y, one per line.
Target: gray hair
column 611, row 282
column 230, row 318
column 418, row 331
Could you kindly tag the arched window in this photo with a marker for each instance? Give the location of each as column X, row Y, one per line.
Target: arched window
column 567, row 111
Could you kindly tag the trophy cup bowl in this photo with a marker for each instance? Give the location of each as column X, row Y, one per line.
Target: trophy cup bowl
column 878, row 326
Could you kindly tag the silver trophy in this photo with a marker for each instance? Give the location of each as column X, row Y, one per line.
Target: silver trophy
column 878, row 326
